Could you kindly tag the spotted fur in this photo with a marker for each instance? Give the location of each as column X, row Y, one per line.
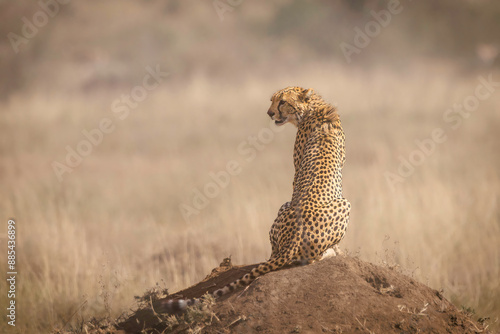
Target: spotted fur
column 316, row 218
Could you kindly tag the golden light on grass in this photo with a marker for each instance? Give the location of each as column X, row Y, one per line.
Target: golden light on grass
column 113, row 229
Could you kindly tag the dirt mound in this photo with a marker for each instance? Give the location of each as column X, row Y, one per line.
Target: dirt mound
column 336, row 295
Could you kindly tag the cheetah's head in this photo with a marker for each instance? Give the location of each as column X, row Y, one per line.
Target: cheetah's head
column 289, row 105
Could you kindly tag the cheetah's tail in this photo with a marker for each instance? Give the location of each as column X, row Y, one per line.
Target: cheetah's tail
column 176, row 306
column 261, row 269
column 180, row 305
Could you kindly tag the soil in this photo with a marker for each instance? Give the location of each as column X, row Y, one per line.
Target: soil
column 336, row 295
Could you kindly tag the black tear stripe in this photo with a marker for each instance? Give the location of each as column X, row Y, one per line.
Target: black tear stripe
column 279, row 112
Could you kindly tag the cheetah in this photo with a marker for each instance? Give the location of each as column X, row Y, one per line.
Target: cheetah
column 315, row 220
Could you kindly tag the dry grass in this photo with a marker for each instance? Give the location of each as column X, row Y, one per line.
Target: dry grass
column 113, row 227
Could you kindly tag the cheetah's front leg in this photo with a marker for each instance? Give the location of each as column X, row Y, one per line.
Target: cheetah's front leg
column 331, row 252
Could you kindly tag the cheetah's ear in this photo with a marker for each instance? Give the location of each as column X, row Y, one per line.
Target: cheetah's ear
column 306, row 94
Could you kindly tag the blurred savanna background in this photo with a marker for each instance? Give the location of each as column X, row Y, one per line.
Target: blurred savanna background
column 119, row 179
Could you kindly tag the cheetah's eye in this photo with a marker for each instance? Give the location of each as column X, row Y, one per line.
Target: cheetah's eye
column 281, row 103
